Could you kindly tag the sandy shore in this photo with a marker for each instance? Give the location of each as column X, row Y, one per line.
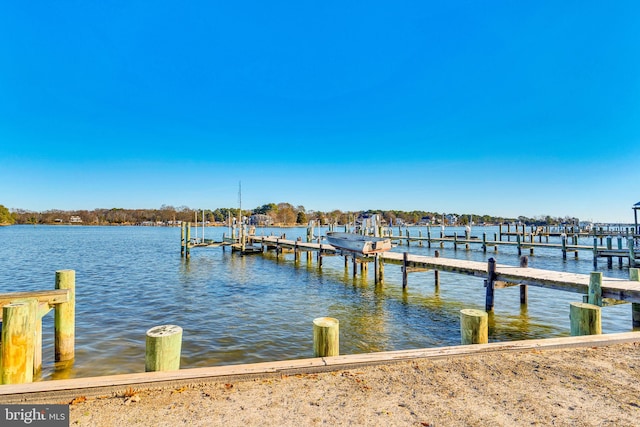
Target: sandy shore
column 593, row 386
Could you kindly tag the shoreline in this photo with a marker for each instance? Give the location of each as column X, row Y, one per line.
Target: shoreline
column 584, row 386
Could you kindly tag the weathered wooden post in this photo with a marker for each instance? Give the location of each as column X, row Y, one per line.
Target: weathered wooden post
column 320, row 256
column 484, row 242
column 429, row 237
column 455, row 241
column 420, row 237
column 18, row 342
column 620, row 249
column 585, row 319
column 524, row 263
column 595, row 252
column 37, row 333
column 163, row 346
column 491, row 277
column 376, row 271
column 564, row 247
column 188, row 241
column 436, row 273
column 634, row 274
column 474, row 326
column 326, row 337
column 632, row 252
column 65, row 317
column 182, row 239
column 405, row 269
column 519, row 244
column 381, row 270
column 354, row 265
column 609, row 247
column 296, row 254
column 595, row 289
column 408, row 238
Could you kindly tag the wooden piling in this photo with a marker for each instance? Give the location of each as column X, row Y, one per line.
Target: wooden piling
column 380, row 270
column 474, row 326
column 37, row 334
column 376, row 269
column 326, row 337
column 585, row 319
column 187, row 243
column 634, row 274
column 405, row 269
column 491, row 276
column 524, row 263
column 436, row 273
column 620, row 249
column 163, row 347
column 65, row 317
column 18, row 342
column 595, row 289
column 354, row 265
column 182, row 240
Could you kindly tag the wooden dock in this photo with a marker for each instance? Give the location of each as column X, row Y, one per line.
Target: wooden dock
column 625, row 246
column 598, row 290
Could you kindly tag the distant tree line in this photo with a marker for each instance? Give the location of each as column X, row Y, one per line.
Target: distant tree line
column 6, row 218
column 281, row 213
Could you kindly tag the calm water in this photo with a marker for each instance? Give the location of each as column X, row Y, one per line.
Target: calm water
column 236, row 309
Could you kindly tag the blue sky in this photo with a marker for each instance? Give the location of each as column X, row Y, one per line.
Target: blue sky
column 501, row 108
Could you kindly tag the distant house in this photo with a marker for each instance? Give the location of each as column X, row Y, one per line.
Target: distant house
column 260, row 220
column 451, row 219
column 425, row 220
column 75, row 219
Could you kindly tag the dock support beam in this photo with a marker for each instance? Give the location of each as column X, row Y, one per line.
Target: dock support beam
column 491, row 277
column 436, row 273
column 18, row 342
column 634, row 274
column 381, row 270
column 524, row 263
column 405, row 270
column 595, row 289
column 64, row 317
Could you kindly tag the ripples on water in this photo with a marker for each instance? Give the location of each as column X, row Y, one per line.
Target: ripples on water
column 236, row 309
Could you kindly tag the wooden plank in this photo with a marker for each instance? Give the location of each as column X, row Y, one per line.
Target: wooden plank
column 54, row 296
column 620, row 289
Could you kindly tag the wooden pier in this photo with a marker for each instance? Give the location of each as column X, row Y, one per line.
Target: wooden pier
column 599, row 290
column 625, row 246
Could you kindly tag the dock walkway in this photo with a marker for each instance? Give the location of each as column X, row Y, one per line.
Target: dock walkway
column 619, row 289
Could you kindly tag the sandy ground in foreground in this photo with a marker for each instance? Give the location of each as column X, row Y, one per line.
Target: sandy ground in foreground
column 597, row 386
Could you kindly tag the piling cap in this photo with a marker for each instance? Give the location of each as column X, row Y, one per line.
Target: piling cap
column 636, row 206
